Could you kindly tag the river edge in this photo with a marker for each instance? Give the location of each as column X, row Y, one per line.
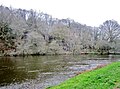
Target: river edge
column 89, row 70
column 82, row 53
column 82, row 72
column 115, row 84
column 72, row 68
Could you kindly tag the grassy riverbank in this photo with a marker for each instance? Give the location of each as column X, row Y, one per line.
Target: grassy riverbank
column 107, row 77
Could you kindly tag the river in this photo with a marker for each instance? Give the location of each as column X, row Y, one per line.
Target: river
column 39, row 72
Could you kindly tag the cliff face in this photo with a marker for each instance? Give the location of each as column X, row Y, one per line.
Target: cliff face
column 39, row 33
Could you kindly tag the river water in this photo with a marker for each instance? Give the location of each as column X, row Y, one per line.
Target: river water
column 39, row 72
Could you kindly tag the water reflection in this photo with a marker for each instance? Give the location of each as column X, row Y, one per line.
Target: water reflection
column 44, row 71
column 14, row 70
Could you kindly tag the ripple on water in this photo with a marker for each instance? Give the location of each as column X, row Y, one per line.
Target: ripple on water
column 41, row 72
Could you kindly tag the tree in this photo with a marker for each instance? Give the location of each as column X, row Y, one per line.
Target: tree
column 110, row 30
column 6, row 37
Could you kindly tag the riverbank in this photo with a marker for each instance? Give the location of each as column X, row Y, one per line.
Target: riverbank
column 107, row 77
column 67, row 53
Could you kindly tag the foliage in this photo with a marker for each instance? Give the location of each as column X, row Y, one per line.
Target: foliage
column 6, row 37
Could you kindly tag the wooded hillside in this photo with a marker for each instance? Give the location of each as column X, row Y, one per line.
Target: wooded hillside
column 24, row 32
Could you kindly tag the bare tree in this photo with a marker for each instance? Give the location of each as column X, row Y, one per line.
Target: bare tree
column 110, row 30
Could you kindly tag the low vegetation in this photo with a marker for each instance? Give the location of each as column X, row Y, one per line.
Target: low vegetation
column 107, row 77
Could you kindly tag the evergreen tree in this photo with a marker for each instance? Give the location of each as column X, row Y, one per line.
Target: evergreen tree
column 7, row 38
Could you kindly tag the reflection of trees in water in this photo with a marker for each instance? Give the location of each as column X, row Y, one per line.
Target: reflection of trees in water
column 10, row 74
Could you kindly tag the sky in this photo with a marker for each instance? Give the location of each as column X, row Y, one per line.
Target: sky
column 89, row 12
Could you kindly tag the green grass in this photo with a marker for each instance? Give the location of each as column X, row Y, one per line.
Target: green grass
column 107, row 77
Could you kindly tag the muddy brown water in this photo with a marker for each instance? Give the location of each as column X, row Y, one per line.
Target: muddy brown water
column 39, row 72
